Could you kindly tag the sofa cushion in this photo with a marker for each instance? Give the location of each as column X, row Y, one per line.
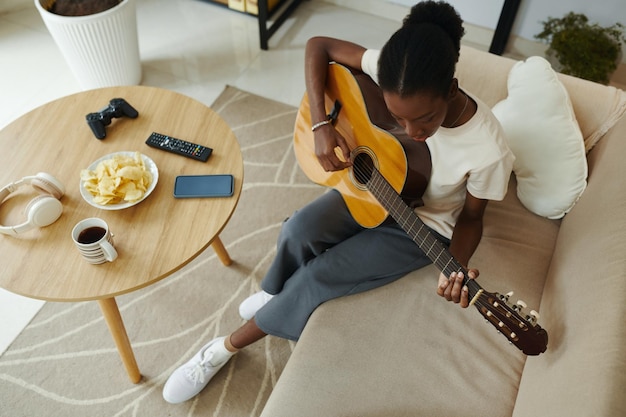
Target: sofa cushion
column 401, row 350
column 472, row 67
column 583, row 372
column 542, row 131
column 598, row 107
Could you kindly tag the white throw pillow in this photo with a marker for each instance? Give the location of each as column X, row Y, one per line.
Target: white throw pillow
column 543, row 134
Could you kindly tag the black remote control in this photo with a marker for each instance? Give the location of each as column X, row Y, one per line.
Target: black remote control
column 179, row 146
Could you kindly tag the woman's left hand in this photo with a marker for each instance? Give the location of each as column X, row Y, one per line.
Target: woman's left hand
column 452, row 289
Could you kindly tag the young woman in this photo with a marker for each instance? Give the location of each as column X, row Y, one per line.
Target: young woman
column 322, row 252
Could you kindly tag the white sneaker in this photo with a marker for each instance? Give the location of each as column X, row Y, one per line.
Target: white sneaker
column 191, row 378
column 252, row 304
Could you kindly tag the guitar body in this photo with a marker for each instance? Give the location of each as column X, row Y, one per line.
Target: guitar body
column 370, row 131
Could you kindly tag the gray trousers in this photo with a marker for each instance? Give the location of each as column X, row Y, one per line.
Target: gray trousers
column 322, row 254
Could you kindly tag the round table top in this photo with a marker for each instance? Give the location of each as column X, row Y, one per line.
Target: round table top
column 154, row 238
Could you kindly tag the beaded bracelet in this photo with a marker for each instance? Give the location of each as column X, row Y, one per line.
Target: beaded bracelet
column 319, row 124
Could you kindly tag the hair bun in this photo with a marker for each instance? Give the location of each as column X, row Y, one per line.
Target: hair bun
column 438, row 13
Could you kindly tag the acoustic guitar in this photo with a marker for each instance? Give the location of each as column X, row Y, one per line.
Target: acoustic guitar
column 388, row 176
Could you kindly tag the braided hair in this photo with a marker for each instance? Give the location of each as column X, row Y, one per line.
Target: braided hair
column 422, row 54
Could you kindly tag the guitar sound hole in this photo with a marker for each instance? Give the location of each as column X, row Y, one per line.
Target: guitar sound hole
column 362, row 167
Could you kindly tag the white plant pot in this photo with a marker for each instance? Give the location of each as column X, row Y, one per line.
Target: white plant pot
column 102, row 49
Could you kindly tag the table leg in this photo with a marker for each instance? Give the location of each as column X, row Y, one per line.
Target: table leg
column 116, row 326
column 219, row 248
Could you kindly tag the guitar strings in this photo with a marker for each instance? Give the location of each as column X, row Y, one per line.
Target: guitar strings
column 393, row 203
column 399, row 209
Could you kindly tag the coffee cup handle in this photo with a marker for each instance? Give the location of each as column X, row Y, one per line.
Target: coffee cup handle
column 110, row 253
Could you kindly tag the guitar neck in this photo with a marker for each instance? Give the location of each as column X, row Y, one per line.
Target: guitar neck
column 410, row 222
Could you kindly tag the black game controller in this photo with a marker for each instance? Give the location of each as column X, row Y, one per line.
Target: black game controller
column 117, row 107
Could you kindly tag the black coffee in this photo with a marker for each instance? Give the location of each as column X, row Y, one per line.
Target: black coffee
column 91, row 235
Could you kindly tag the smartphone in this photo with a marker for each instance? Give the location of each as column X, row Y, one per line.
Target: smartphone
column 190, row 186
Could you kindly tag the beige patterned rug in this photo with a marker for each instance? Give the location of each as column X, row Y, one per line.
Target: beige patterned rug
column 65, row 363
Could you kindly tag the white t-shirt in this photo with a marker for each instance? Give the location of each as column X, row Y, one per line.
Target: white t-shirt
column 473, row 157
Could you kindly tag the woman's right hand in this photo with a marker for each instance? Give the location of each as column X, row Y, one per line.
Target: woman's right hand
column 319, row 51
column 327, row 140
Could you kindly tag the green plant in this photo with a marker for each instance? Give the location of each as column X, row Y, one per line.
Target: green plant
column 584, row 50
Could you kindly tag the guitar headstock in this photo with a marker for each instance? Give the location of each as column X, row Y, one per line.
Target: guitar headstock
column 520, row 328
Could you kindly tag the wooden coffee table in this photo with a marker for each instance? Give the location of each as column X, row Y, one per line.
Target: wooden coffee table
column 154, row 238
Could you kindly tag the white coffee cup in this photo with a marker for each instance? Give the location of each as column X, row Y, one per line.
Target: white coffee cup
column 94, row 240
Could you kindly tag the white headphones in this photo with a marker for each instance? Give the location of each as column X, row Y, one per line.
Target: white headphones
column 42, row 210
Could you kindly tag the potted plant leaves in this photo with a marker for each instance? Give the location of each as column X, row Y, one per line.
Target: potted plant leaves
column 583, row 49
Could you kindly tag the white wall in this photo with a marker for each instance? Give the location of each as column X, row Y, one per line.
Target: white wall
column 483, row 13
column 532, row 12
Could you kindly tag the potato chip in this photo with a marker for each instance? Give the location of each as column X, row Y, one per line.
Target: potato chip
column 120, row 178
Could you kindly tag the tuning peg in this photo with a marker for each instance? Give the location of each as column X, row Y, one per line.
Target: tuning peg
column 506, row 296
column 533, row 317
column 519, row 305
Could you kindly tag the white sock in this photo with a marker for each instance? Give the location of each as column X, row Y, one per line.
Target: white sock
column 252, row 304
column 218, row 352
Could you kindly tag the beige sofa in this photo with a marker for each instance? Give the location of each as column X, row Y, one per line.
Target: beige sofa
column 403, row 351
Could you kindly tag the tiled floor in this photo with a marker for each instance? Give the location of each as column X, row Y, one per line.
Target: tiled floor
column 189, row 46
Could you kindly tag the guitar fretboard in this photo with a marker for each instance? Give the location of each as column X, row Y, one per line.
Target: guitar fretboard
column 410, row 222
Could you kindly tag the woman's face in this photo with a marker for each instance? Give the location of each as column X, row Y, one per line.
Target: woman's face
column 420, row 114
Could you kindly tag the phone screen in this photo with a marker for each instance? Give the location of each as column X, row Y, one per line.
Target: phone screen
column 189, row 186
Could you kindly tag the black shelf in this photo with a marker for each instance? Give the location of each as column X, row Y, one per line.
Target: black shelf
column 267, row 29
